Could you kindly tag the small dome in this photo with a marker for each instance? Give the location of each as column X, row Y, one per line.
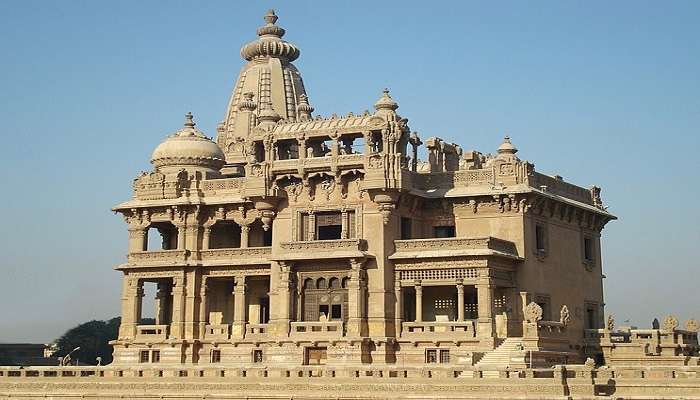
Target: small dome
column 188, row 147
column 507, row 147
column 386, row 102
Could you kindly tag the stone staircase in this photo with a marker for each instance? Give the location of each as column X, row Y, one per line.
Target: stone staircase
column 501, row 356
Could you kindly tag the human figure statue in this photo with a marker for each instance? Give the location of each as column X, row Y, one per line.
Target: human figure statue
column 655, row 324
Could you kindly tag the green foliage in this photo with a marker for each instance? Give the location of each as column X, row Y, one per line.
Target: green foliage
column 93, row 339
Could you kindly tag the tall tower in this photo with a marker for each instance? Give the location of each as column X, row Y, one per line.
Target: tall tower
column 269, row 83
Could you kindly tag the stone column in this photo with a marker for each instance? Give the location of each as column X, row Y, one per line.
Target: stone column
column 181, row 237
column 137, row 239
column 132, row 293
column 460, row 301
column 245, row 231
column 344, row 224
column 357, row 287
column 398, row 317
column 178, row 301
column 285, row 289
column 485, row 299
column 206, row 237
column 239, row 308
column 162, row 296
column 311, row 235
column 419, row 302
column 203, row 307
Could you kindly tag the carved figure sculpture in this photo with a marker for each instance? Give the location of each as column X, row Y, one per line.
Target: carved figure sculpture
column 670, row 323
column 564, row 316
column 533, row 312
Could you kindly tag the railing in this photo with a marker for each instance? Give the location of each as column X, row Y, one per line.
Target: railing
column 465, row 329
column 158, row 257
column 212, row 186
column 225, row 255
column 313, row 329
column 151, row 332
column 309, row 247
column 256, row 329
column 219, row 331
column 457, row 243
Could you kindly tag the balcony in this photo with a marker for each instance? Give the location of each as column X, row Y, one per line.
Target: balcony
column 151, row 333
column 318, row 329
column 323, row 249
column 454, row 247
column 447, row 329
column 256, row 330
column 160, row 257
column 247, row 255
column 220, row 331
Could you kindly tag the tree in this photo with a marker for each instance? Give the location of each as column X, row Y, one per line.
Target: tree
column 93, row 339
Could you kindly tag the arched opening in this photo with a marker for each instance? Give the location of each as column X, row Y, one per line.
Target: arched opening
column 161, row 236
column 258, row 236
column 321, row 283
column 225, row 235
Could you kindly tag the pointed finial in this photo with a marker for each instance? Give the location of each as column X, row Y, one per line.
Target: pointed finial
column 270, row 17
column 189, row 120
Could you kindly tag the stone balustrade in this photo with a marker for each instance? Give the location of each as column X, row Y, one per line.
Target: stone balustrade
column 217, row 331
column 256, row 330
column 244, row 255
column 423, row 247
column 151, row 332
column 462, row 329
column 317, row 329
column 320, row 249
column 159, row 257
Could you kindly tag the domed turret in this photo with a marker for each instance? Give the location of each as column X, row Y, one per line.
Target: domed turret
column 506, row 150
column 386, row 104
column 268, row 79
column 187, row 149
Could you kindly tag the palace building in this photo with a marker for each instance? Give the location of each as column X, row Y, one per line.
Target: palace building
column 294, row 239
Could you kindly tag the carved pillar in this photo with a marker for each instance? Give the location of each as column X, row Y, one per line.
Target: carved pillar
column 368, row 142
column 178, row 301
column 162, row 297
column 484, row 293
column 344, row 224
column 311, row 235
column 245, row 234
column 137, row 239
column 356, row 297
column 203, row 307
column 419, row 302
column 398, row 295
column 460, row 301
column 181, row 237
column 132, row 293
column 285, row 289
column 206, row 237
column 239, row 308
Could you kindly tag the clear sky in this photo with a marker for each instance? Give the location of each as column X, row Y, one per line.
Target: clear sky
column 600, row 92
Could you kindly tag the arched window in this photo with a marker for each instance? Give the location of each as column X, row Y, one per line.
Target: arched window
column 346, row 280
column 308, row 283
column 321, row 283
column 167, row 240
column 334, row 283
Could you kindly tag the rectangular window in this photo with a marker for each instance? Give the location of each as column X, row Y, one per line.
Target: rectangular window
column 143, row 356
column 155, row 356
column 540, row 242
column 315, row 355
column 257, row 356
column 587, row 249
column 323, row 309
column 545, row 302
column 336, row 311
column 216, row 356
column 444, row 356
column 431, row 356
column 329, row 226
column 406, row 232
column 443, row 231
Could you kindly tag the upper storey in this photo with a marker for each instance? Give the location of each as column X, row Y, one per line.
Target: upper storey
column 268, row 86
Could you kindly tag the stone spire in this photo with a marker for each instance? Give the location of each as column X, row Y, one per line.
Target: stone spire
column 268, row 80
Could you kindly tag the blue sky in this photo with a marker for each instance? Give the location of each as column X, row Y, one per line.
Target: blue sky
column 602, row 93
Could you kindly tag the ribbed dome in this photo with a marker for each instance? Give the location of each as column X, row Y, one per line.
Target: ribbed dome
column 187, row 148
column 270, row 43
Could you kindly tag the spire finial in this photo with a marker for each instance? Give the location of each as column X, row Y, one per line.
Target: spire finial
column 270, row 17
column 189, row 120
